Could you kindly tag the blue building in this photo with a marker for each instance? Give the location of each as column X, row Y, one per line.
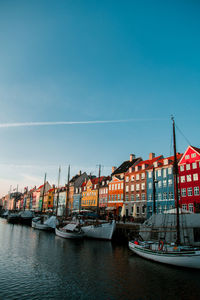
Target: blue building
column 164, row 186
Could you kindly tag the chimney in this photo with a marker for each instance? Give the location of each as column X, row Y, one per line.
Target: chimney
column 79, row 173
column 151, row 155
column 113, row 169
column 132, row 156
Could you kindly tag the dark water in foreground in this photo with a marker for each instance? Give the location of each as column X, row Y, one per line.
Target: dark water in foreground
column 40, row 265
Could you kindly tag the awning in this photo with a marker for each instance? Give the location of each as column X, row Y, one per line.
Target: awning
column 111, row 208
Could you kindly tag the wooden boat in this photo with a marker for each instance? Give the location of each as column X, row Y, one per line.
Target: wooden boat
column 13, row 218
column 99, row 230
column 175, row 254
column 70, row 231
column 44, row 223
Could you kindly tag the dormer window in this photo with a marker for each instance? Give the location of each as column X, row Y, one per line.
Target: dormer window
column 193, row 155
column 187, row 157
column 155, row 164
column 102, row 182
column 136, row 168
column 143, row 166
column 165, row 161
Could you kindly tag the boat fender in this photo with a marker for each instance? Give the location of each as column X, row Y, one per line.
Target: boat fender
column 136, row 243
column 160, row 245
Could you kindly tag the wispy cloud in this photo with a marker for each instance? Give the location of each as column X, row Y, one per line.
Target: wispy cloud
column 29, row 124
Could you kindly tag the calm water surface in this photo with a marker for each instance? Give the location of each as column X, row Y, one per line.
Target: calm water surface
column 40, row 265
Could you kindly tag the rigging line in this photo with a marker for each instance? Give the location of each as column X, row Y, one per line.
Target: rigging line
column 183, row 135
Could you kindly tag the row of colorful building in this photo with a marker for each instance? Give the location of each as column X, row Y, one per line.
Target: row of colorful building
column 130, row 186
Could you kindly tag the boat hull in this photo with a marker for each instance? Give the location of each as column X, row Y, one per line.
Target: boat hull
column 187, row 259
column 40, row 226
column 69, row 235
column 101, row 231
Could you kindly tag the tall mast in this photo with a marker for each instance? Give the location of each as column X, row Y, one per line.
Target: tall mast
column 154, row 192
column 57, row 200
column 67, row 200
column 43, row 191
column 98, row 189
column 178, row 240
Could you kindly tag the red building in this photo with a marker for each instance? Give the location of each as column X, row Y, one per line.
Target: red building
column 189, row 179
column 136, row 187
column 103, row 192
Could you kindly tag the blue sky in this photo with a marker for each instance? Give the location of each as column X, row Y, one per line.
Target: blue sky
column 95, row 60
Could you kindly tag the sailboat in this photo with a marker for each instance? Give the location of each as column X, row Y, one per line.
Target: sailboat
column 176, row 254
column 44, row 222
column 98, row 229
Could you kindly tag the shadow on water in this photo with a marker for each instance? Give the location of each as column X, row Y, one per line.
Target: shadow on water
column 39, row 265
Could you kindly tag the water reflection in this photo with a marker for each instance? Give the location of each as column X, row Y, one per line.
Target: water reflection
column 40, row 265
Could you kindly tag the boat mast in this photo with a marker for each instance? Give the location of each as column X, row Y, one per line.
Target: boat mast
column 57, row 200
column 98, row 190
column 67, row 200
column 154, row 192
column 43, row 191
column 175, row 171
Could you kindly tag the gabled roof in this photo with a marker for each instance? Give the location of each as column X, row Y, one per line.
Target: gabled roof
column 123, row 168
column 149, row 162
column 189, row 150
column 161, row 161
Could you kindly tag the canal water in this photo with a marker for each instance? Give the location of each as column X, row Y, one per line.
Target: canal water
column 40, row 265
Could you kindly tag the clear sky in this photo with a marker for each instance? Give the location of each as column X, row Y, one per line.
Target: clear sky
column 75, row 60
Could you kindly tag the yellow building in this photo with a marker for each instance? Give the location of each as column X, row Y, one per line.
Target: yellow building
column 90, row 193
column 48, row 199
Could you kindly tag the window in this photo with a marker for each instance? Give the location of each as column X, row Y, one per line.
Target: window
column 164, row 183
column 183, row 192
column 122, row 186
column 127, row 179
column 182, row 179
column 195, row 177
column 170, row 182
column 127, row 188
column 181, row 168
column 170, row 195
column 132, row 187
column 189, row 191
column 143, row 166
column 164, row 173
column 132, row 197
column 188, row 167
column 164, row 196
column 150, row 197
column 159, row 209
column 196, row 191
column 115, row 186
column 132, row 178
column 191, row 207
column 169, row 170
column 187, row 157
column 189, row 178
column 165, row 161
column 138, row 210
column 137, row 187
column 150, row 185
column 159, row 184
column 118, row 197
column 194, row 165
column 137, row 197
column 136, row 168
column 193, row 155
column 143, row 209
column 137, row 177
column 159, row 172
column 184, row 206
column 143, row 197
column 127, row 198
column 142, row 175
column 143, row 186
column 159, row 196
column 150, row 174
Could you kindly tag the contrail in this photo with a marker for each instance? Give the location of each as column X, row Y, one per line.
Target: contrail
column 30, row 124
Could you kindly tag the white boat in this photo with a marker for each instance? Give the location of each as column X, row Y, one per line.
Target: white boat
column 100, row 230
column 44, row 223
column 176, row 254
column 182, row 256
column 70, row 231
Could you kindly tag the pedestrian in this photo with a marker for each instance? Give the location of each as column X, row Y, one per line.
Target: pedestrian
column 124, row 218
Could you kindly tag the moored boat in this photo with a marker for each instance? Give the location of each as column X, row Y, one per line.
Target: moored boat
column 70, row 231
column 44, row 223
column 99, row 230
column 13, row 218
column 182, row 256
column 177, row 254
